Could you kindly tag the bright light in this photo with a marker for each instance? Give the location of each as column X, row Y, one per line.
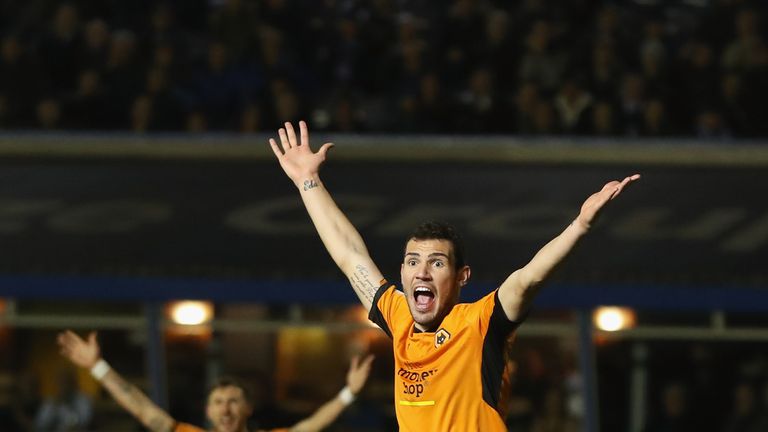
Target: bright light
column 614, row 318
column 191, row 312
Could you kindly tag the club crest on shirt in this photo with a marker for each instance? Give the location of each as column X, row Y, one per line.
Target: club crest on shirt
column 441, row 336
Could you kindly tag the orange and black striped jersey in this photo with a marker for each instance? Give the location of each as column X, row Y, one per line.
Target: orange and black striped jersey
column 184, row 427
column 449, row 379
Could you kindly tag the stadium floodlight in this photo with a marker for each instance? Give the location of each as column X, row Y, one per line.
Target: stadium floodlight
column 191, row 313
column 613, row 318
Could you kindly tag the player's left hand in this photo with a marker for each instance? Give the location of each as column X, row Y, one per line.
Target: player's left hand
column 597, row 201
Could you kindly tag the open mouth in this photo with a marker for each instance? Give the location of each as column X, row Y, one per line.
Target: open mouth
column 424, row 297
column 227, row 422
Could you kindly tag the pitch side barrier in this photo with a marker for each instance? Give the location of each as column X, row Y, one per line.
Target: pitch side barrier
column 213, row 216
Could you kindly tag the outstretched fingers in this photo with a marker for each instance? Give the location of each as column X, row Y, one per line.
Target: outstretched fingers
column 284, row 142
column 275, row 148
column 623, row 184
column 324, row 149
column 288, row 139
column 368, row 361
column 304, row 132
column 68, row 342
column 291, row 133
column 67, row 338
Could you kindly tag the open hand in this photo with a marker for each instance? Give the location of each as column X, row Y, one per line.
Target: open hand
column 83, row 353
column 296, row 157
column 595, row 203
column 358, row 372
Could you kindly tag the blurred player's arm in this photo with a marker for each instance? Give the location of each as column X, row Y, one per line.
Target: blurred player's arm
column 86, row 354
column 339, row 236
column 520, row 288
column 330, row 411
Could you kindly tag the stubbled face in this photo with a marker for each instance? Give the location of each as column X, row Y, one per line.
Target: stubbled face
column 430, row 282
column 228, row 410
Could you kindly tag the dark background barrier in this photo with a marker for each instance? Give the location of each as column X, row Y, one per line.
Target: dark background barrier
column 240, row 219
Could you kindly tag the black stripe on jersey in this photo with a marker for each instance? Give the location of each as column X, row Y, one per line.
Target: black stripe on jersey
column 375, row 314
column 492, row 368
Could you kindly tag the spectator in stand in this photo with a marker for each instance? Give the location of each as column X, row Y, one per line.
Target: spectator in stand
column 544, row 119
column 553, row 415
column 379, row 53
column 49, row 114
column 69, row 410
column 746, row 50
column 196, row 122
column 458, row 44
column 167, row 109
column 25, row 401
column 632, row 104
column 95, row 44
column 141, row 114
column 232, row 23
column 699, row 82
column 745, row 415
column 432, row 105
column 250, row 119
column 478, row 104
column 526, row 101
column 573, row 105
column 655, row 122
column 674, row 413
column 747, row 55
column 20, row 83
column 61, row 47
column 542, row 63
column 605, row 72
column 122, row 77
column 85, row 108
column 710, row 125
column 499, row 50
column 604, row 120
column 217, row 87
column 734, row 107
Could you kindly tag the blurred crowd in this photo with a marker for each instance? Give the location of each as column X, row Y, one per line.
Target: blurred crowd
column 695, row 68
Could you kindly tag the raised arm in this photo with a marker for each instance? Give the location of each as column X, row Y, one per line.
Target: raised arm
column 330, row 411
column 339, row 236
column 518, row 291
column 86, row 354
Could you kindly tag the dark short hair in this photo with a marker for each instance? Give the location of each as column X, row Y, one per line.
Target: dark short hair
column 435, row 230
column 228, row 381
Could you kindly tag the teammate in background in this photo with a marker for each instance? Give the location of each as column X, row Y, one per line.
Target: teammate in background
column 449, row 357
column 229, row 405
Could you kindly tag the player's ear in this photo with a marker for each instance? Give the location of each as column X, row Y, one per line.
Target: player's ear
column 463, row 275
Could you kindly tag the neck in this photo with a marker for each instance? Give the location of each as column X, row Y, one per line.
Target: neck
column 423, row 329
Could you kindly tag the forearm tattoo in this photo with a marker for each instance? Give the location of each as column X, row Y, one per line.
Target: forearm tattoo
column 362, row 284
column 310, row 184
column 138, row 403
column 135, row 396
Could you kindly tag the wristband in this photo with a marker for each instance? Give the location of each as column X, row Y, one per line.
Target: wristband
column 100, row 369
column 346, row 396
